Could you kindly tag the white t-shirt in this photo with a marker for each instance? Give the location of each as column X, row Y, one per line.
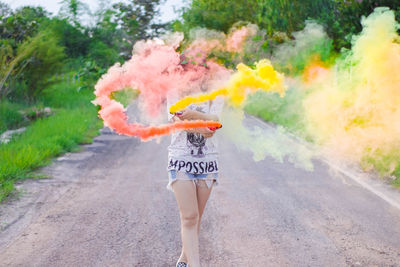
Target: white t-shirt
column 191, row 152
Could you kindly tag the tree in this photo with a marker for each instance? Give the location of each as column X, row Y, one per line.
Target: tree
column 22, row 23
column 106, row 28
column 5, row 10
column 137, row 21
column 75, row 40
column 219, row 15
column 341, row 18
column 73, row 10
column 290, row 15
column 35, row 60
column 346, row 19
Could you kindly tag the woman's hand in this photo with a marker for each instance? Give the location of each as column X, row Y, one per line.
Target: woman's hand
column 189, row 115
column 206, row 132
column 194, row 115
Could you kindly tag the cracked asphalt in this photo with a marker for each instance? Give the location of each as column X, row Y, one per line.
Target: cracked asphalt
column 108, row 206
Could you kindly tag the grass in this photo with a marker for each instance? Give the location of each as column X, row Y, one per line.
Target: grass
column 396, row 173
column 10, row 117
column 75, row 122
column 396, row 182
column 288, row 112
column 385, row 162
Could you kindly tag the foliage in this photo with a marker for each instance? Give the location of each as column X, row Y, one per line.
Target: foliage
column 341, row 18
column 65, row 95
column 10, row 117
column 103, row 54
column 345, row 21
column 384, row 163
column 107, row 30
column 35, row 49
column 44, row 139
column 75, row 122
column 21, row 24
column 33, row 45
column 218, row 15
column 36, row 59
column 75, row 41
column 396, row 182
column 137, row 19
column 88, row 72
column 73, row 10
column 287, row 111
column 5, row 10
column 290, row 16
column 44, row 60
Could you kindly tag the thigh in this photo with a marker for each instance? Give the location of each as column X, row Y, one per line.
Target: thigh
column 186, row 196
column 203, row 193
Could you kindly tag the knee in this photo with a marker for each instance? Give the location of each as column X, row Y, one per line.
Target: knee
column 190, row 219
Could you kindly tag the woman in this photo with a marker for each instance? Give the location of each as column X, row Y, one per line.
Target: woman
column 193, row 170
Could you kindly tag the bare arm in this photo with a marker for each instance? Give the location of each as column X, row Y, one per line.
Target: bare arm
column 196, row 115
column 206, row 132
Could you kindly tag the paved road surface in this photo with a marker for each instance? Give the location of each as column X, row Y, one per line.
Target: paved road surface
column 108, row 206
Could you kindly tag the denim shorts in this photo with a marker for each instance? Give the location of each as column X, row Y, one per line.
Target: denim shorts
column 209, row 178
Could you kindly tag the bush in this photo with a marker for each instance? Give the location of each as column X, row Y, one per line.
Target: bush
column 102, row 54
column 218, row 15
column 42, row 62
column 34, row 62
column 75, row 41
column 67, row 96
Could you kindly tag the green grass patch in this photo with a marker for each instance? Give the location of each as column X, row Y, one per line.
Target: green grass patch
column 385, row 162
column 396, row 173
column 286, row 111
column 67, row 96
column 75, row 122
column 43, row 140
column 10, row 117
column 396, row 182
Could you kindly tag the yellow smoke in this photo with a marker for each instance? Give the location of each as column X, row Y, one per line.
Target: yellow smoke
column 355, row 110
column 244, row 81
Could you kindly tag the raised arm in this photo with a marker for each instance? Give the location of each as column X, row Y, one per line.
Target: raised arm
column 191, row 115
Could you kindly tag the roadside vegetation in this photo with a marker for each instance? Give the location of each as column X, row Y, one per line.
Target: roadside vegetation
column 49, row 64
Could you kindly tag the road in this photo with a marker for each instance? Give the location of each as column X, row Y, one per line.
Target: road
column 108, row 206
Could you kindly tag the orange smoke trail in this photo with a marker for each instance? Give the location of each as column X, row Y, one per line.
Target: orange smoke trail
column 114, row 116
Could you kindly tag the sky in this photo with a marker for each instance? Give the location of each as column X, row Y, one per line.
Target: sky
column 166, row 10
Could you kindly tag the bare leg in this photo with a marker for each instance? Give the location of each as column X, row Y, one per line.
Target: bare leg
column 186, row 196
column 203, row 193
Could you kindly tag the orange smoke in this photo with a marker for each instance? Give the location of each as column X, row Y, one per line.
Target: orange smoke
column 113, row 115
column 316, row 71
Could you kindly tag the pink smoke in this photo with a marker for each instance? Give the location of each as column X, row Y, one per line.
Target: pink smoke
column 237, row 39
column 156, row 70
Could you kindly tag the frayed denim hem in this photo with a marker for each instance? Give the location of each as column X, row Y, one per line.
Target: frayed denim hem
column 210, row 178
